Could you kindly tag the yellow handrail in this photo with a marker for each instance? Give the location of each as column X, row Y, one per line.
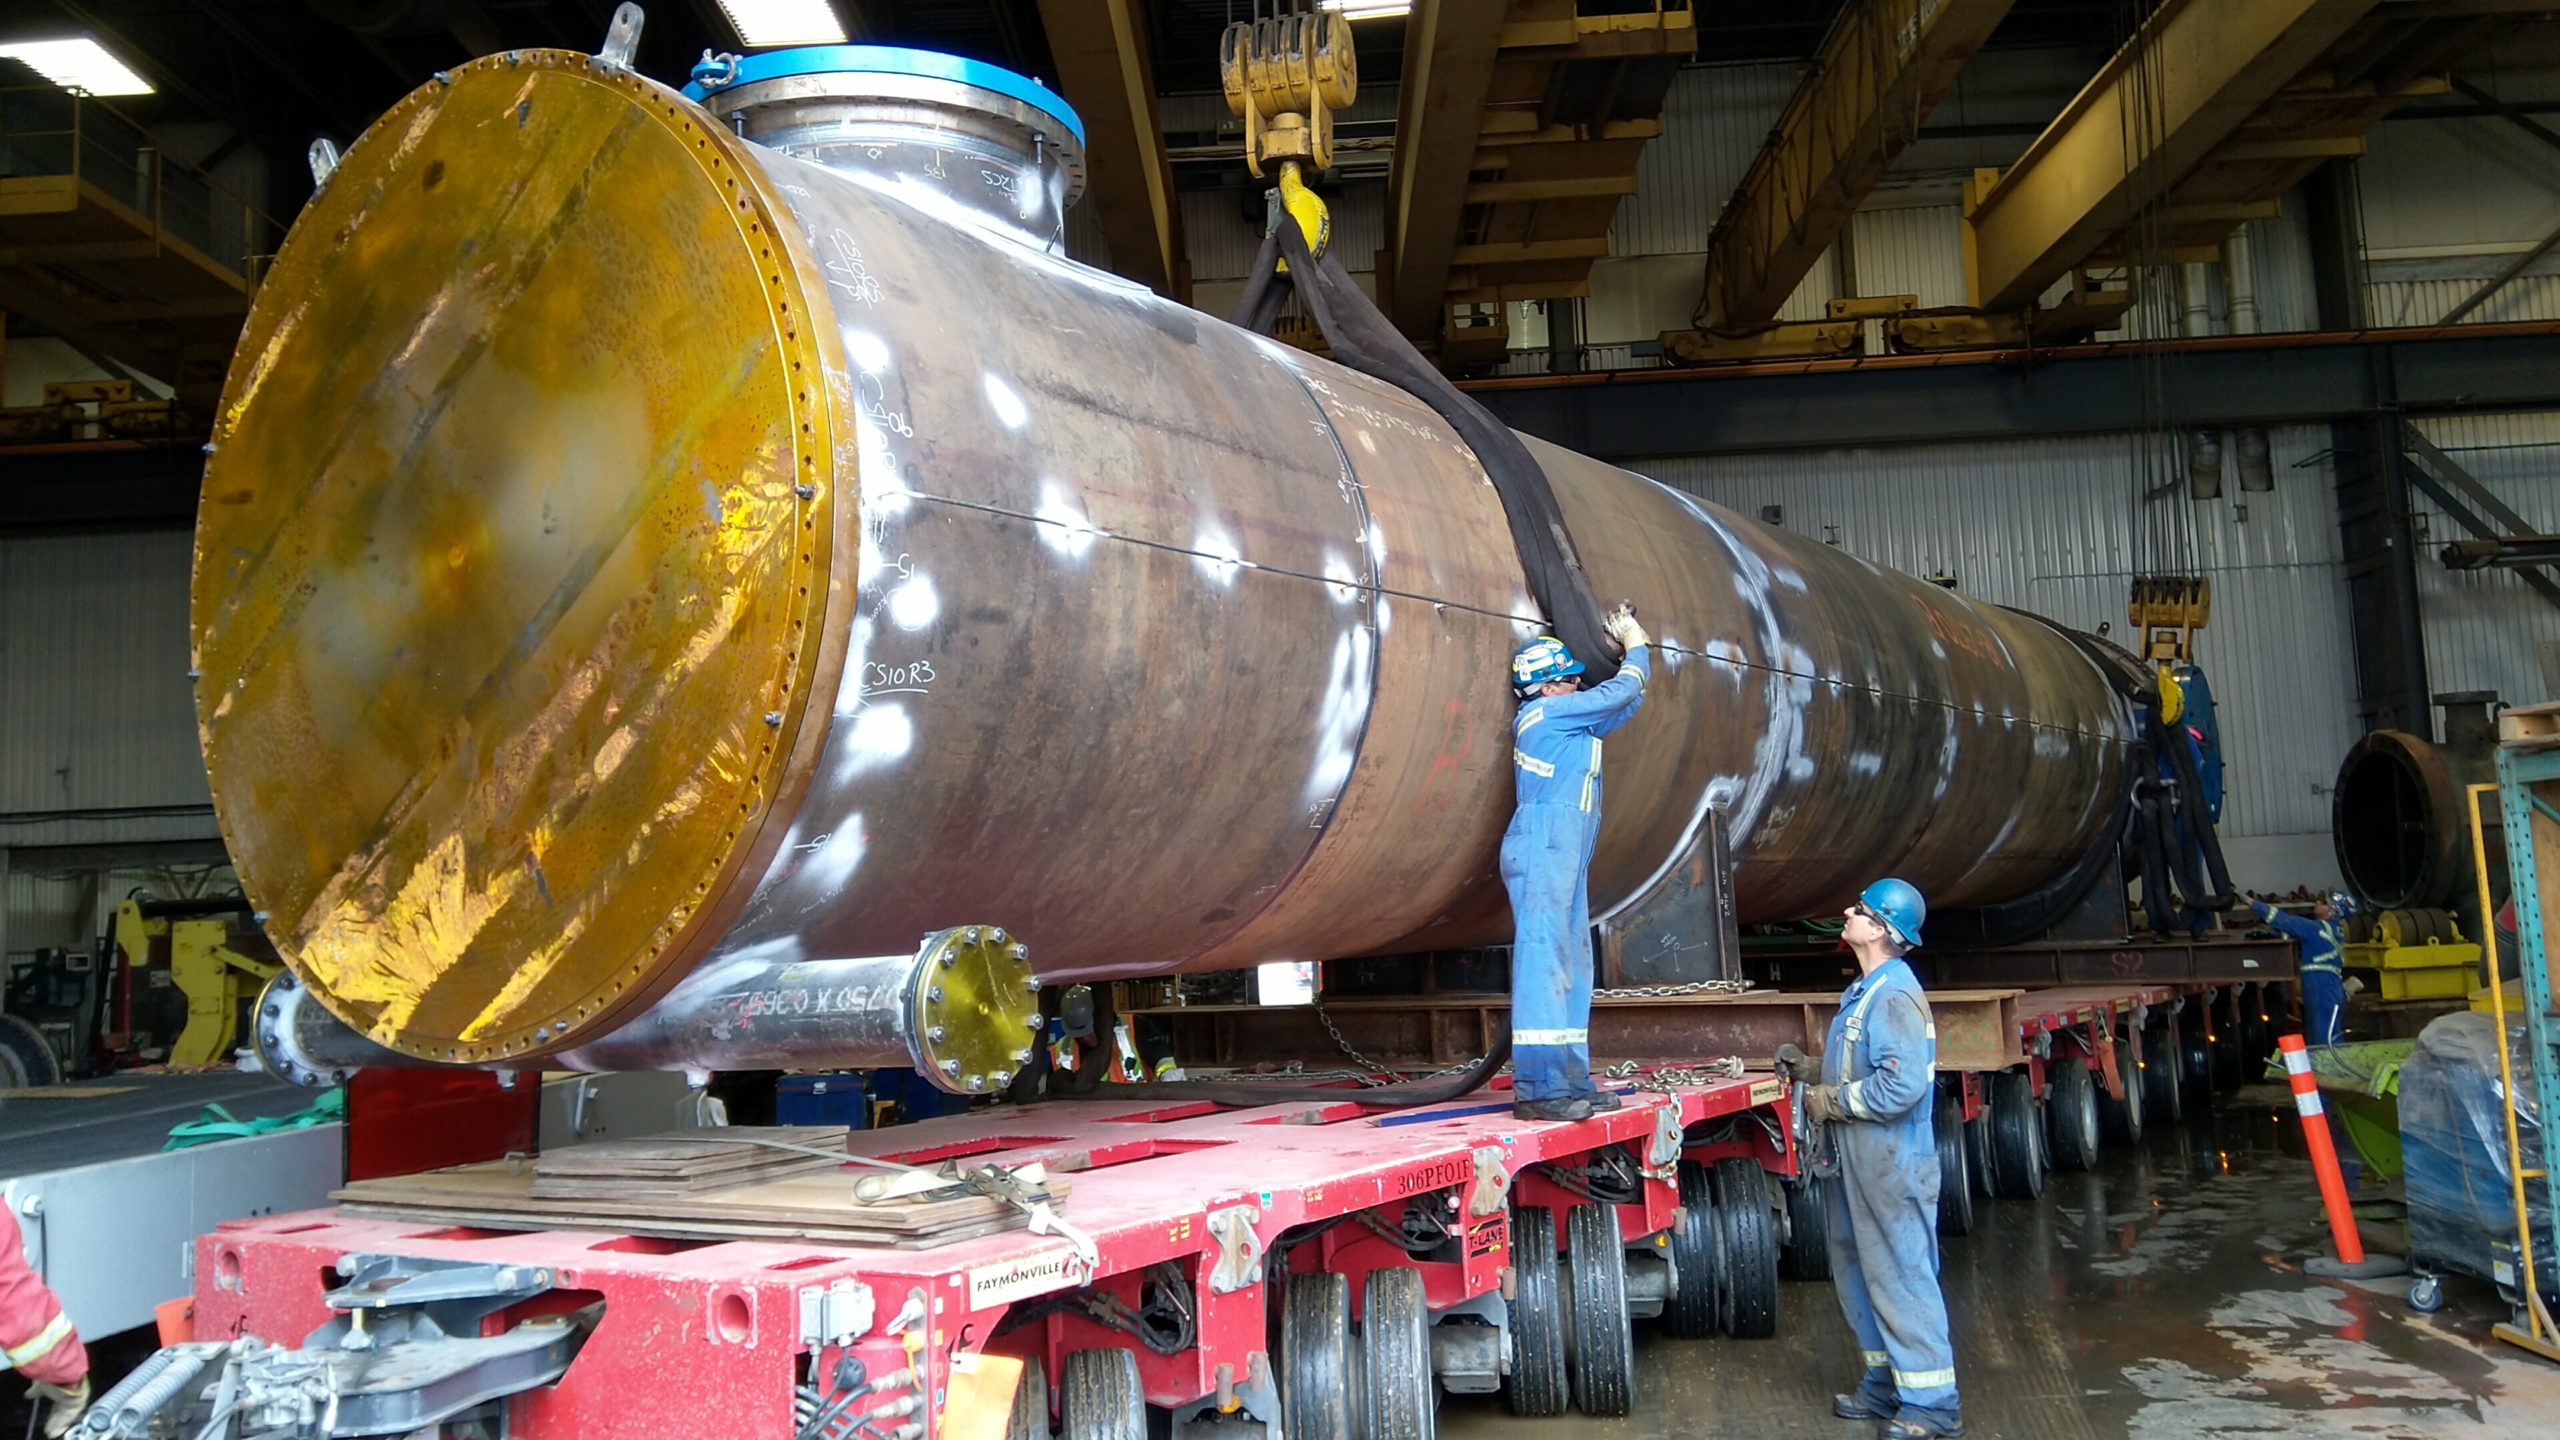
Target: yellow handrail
column 2534, row 1314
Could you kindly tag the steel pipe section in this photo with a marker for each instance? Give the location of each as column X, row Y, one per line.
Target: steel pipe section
column 962, row 1009
column 632, row 553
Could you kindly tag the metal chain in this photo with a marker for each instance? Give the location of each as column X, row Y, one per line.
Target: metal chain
column 1668, row 1078
column 1671, row 992
column 1345, row 1044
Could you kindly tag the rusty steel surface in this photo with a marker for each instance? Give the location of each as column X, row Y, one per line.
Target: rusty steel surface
column 1165, row 645
column 500, row 568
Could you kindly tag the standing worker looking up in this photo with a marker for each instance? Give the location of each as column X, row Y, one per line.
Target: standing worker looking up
column 2322, row 940
column 1879, row 1085
column 1546, row 864
column 36, row 1338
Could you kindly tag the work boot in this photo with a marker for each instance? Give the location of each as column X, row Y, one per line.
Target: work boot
column 1858, row 1407
column 1915, row 1423
column 1561, row 1107
column 1602, row 1100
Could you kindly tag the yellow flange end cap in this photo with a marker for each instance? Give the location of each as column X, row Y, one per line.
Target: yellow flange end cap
column 976, row 1009
column 509, row 559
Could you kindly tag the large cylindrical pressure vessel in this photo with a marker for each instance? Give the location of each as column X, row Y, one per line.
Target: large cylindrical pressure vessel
column 628, row 545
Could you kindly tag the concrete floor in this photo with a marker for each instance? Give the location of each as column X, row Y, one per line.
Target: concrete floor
column 2160, row 1297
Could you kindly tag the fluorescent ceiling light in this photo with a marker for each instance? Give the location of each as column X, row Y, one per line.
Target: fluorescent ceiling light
column 784, row 22
column 82, row 65
column 1369, row 9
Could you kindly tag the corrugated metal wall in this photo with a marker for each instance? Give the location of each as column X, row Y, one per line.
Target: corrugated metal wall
column 95, row 712
column 2053, row 526
column 1714, row 121
column 2484, row 629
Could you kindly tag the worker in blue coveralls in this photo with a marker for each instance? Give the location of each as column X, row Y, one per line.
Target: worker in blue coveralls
column 1546, row 864
column 1874, row 1102
column 2322, row 940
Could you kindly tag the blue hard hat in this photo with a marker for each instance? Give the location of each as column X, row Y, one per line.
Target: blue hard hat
column 2343, row 903
column 1898, row 904
column 1540, row 661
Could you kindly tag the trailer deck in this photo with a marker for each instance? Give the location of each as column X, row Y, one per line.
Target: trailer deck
column 1182, row 1214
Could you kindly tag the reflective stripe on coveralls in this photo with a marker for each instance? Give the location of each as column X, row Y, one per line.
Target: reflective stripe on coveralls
column 1882, row 1053
column 2319, row 965
column 35, row 1336
column 1546, row 865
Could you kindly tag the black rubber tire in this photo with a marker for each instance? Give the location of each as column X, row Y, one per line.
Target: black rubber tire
column 1955, row 1166
column 2071, row 1114
column 1030, row 1405
column 2195, row 1062
column 27, row 1061
column 1604, row 1337
column 1395, row 1346
column 1100, row 1397
column 1697, row 1259
column 1537, row 1385
column 1316, row 1390
column 1977, row 1148
column 2230, row 1067
column 2017, row 1170
column 2121, row 1121
column 1807, row 1255
column 2257, row 1036
column 2163, row 1096
column 1750, row 1217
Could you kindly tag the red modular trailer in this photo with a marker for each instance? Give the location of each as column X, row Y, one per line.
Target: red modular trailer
column 1183, row 1219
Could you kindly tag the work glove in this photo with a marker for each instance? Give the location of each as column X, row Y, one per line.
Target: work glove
column 1822, row 1104
column 1793, row 1063
column 69, row 1404
column 1622, row 627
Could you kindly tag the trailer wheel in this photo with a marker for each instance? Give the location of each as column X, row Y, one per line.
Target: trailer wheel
column 2195, row 1061
column 2257, row 1037
column 1030, row 1405
column 1977, row 1149
column 1395, row 1343
column 2163, row 1097
column 1750, row 1219
column 2121, row 1120
column 2071, row 1116
column 1604, row 1340
column 1955, row 1166
column 1697, row 1258
column 1807, row 1255
column 1537, row 1385
column 1315, row 1358
column 1100, row 1397
column 2017, row 1170
column 27, row 1061
column 2229, row 1067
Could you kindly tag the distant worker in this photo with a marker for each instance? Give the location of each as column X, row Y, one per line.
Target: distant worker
column 2323, row 943
column 1546, row 864
column 1875, row 1104
column 36, row 1338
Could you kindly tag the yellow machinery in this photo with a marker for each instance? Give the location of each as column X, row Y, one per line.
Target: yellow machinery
column 216, row 957
column 2417, row 955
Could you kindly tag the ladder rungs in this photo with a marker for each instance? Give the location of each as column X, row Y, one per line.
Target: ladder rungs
column 2535, row 1173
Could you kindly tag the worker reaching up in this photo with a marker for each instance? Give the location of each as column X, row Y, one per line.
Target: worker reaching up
column 2322, row 941
column 36, row 1338
column 1546, row 864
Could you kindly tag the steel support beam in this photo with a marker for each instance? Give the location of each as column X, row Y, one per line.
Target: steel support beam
column 1977, row 1029
column 1449, row 49
column 1107, row 74
column 1881, row 70
column 2219, row 383
column 2197, row 71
